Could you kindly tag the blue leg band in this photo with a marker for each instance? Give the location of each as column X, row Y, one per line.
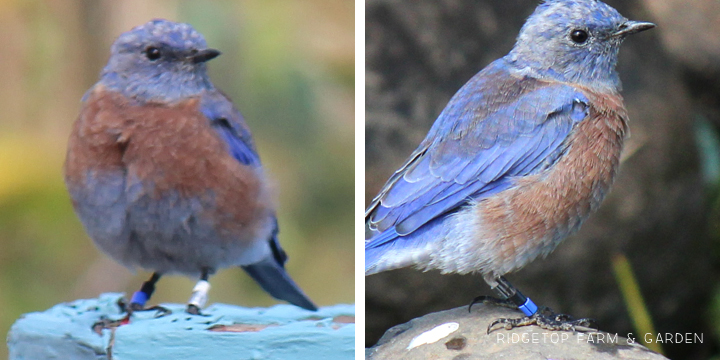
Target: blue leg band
column 529, row 307
column 139, row 298
column 506, row 290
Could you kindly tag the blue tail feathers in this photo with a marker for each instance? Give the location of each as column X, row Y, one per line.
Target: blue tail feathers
column 273, row 278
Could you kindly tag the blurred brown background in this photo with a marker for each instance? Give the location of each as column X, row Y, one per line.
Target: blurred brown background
column 663, row 212
column 288, row 66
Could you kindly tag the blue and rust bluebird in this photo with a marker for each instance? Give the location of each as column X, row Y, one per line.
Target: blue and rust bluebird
column 163, row 171
column 522, row 154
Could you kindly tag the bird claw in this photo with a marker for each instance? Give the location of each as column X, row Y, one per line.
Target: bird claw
column 161, row 311
column 193, row 309
column 547, row 320
column 105, row 323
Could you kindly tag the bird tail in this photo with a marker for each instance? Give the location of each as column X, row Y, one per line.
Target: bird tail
column 273, row 278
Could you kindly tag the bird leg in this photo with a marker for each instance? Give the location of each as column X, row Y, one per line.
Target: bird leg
column 140, row 297
column 543, row 317
column 510, row 297
column 200, row 294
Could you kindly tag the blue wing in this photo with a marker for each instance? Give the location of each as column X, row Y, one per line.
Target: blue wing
column 229, row 123
column 498, row 126
column 270, row 272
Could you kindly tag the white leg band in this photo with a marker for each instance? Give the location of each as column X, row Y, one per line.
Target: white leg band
column 200, row 294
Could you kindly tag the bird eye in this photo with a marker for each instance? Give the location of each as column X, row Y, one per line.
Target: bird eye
column 152, row 53
column 579, row 36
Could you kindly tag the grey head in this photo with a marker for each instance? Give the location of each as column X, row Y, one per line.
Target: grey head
column 159, row 61
column 575, row 41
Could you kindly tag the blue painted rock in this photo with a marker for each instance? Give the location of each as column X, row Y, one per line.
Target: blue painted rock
column 222, row 332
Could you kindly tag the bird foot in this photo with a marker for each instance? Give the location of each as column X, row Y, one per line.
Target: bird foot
column 193, row 309
column 106, row 323
column 547, row 320
column 161, row 311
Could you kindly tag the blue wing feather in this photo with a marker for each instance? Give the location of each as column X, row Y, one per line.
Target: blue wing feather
column 496, row 128
column 238, row 148
column 231, row 127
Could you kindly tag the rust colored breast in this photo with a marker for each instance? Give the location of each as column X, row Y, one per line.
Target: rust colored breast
column 93, row 143
column 531, row 218
column 166, row 150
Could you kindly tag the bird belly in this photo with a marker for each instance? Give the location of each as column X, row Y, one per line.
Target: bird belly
column 169, row 234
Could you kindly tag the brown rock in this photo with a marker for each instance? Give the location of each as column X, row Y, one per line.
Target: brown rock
column 416, row 340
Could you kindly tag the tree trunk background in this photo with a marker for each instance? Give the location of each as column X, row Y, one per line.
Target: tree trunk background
column 419, row 53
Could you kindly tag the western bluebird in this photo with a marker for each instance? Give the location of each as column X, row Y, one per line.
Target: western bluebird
column 163, row 171
column 516, row 161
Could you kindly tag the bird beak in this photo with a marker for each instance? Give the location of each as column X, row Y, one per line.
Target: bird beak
column 204, row 55
column 632, row 27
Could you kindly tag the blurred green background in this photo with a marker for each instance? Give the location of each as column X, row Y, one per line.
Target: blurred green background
column 288, row 66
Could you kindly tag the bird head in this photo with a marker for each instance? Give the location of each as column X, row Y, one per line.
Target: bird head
column 575, row 41
column 159, row 61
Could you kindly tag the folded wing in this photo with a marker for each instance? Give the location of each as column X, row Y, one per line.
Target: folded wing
column 499, row 126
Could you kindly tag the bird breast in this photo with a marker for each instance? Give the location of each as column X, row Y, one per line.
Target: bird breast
column 503, row 233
